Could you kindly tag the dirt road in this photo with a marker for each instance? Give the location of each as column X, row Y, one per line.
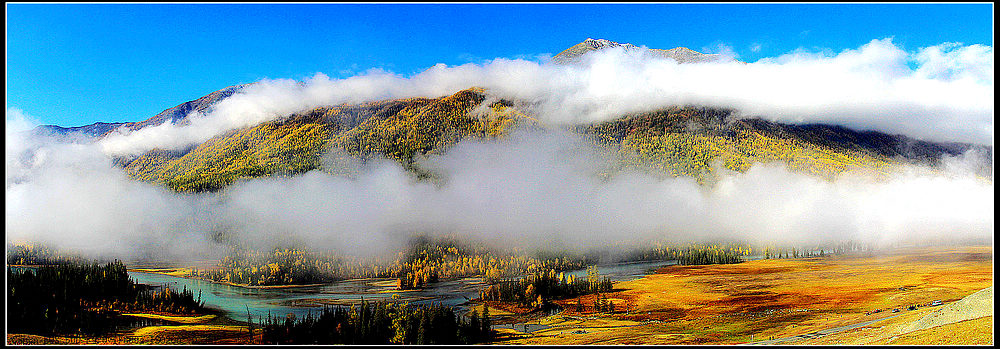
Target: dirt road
column 820, row 333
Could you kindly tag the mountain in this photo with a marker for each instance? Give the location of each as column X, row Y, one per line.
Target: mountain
column 679, row 141
column 96, row 129
column 689, row 141
column 676, row 141
column 679, row 54
column 395, row 129
column 178, row 113
column 175, row 114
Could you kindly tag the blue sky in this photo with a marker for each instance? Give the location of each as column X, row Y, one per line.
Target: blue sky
column 75, row 64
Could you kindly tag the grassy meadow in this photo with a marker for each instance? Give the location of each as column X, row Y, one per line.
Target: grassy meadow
column 779, row 298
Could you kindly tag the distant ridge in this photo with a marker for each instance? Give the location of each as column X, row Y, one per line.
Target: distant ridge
column 175, row 114
column 179, row 112
column 679, row 54
column 93, row 130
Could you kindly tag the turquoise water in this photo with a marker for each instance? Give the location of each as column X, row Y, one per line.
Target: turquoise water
column 236, row 302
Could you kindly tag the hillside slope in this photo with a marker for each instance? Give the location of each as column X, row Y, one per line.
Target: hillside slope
column 690, row 141
column 393, row 129
column 178, row 113
column 974, row 306
column 175, row 114
column 678, row 141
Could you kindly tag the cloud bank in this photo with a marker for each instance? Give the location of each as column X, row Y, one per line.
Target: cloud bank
column 535, row 189
column 937, row 93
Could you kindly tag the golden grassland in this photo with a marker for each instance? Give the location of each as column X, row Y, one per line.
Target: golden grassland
column 178, row 272
column 177, row 319
column 760, row 300
column 193, row 334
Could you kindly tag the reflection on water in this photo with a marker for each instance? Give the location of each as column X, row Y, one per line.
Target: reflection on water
column 624, row 271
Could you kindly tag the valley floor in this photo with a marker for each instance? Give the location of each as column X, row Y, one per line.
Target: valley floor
column 829, row 300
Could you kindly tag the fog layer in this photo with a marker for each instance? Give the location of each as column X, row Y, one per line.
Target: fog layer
column 535, row 189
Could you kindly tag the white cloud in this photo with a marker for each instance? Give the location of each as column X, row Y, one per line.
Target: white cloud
column 947, row 97
column 952, row 61
column 723, row 50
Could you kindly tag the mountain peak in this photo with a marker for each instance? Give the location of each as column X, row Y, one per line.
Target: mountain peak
column 604, row 43
column 679, row 54
column 683, row 49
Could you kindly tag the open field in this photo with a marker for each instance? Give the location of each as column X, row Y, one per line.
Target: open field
column 178, row 272
column 194, row 334
column 775, row 299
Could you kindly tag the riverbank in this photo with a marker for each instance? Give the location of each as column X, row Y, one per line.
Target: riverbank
column 177, row 319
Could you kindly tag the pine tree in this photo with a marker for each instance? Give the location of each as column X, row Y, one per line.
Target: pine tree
column 475, row 324
column 487, row 325
column 422, row 329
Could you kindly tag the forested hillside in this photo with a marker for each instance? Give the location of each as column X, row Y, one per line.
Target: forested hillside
column 677, row 141
column 690, row 141
column 394, row 129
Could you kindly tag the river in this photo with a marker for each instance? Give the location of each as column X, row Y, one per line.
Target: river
column 236, row 301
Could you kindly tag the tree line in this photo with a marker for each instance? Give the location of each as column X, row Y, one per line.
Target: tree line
column 37, row 254
column 771, row 252
column 425, row 261
column 692, row 253
column 84, row 299
column 540, row 288
column 710, row 255
column 380, row 322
